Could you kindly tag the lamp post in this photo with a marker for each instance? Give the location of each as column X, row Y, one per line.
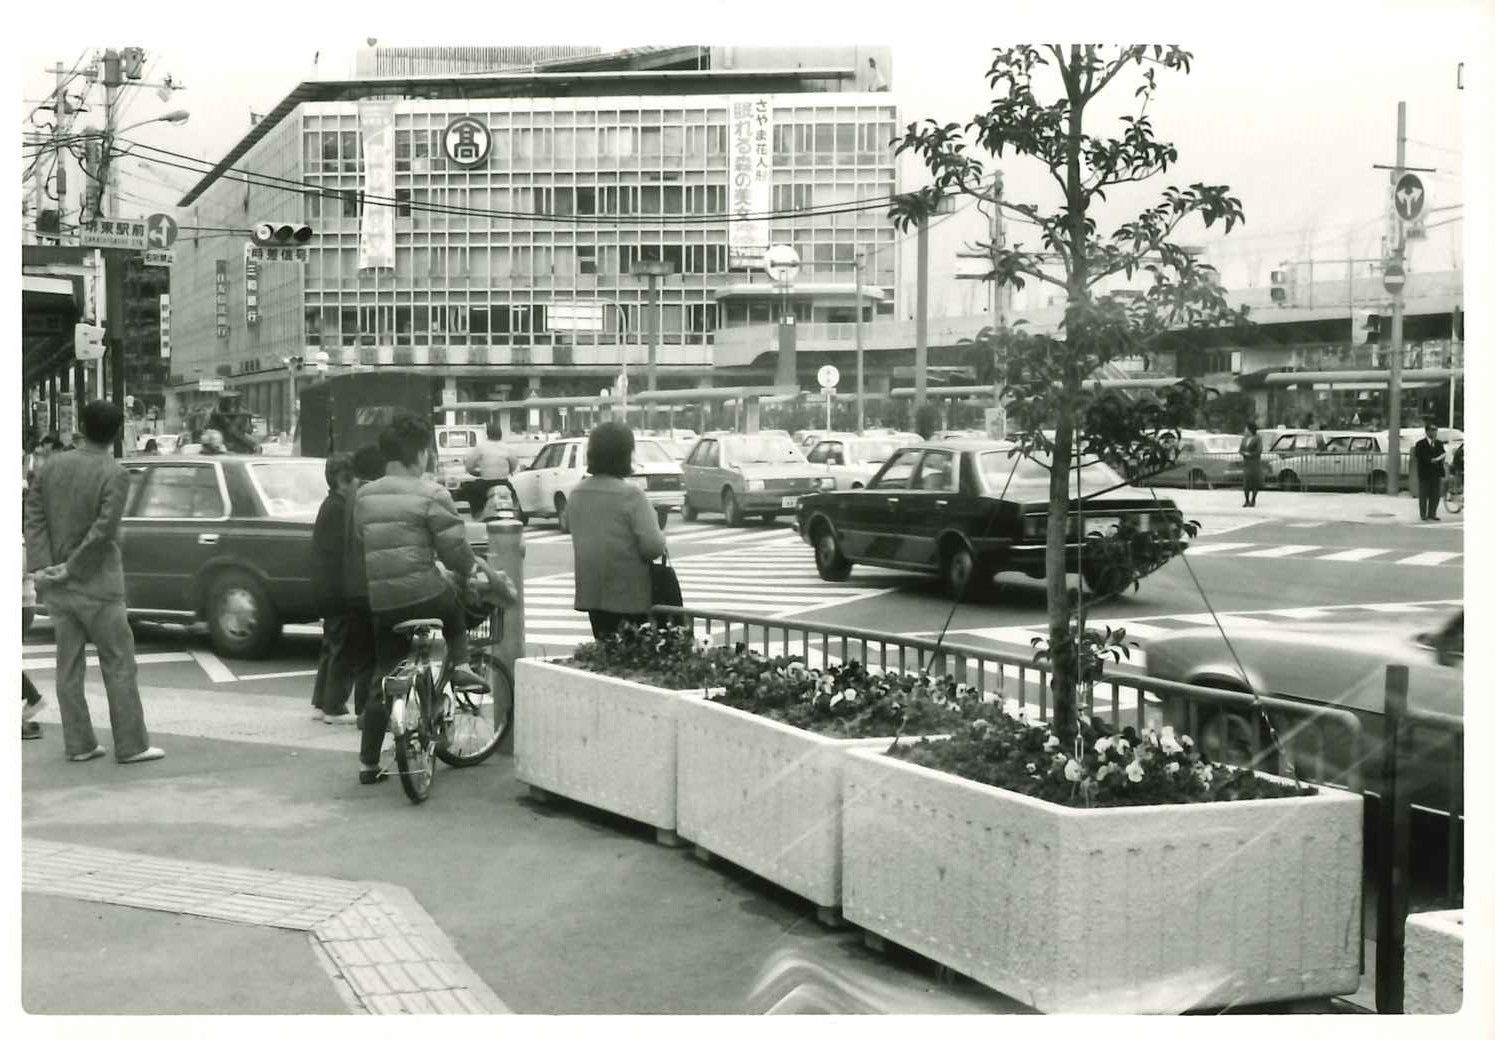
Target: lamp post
column 654, row 270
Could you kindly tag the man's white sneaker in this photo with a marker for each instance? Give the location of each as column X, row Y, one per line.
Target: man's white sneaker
column 150, row 754
column 87, row 756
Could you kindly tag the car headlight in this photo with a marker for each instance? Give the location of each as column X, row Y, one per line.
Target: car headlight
column 827, row 483
column 756, row 485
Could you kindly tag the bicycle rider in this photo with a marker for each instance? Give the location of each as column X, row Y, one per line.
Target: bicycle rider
column 405, row 525
column 1458, row 467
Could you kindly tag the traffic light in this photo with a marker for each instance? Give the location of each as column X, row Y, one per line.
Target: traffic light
column 278, row 234
column 1282, row 289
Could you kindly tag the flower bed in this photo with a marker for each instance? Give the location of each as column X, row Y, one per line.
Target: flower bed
column 1109, row 881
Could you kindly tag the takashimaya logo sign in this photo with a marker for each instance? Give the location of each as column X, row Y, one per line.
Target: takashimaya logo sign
column 466, row 142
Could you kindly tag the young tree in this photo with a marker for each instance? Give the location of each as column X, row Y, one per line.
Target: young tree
column 1048, row 380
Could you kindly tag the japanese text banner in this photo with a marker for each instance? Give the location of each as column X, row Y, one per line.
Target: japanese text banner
column 376, row 227
column 749, row 178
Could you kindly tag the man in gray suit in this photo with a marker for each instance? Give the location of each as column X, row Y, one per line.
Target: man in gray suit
column 72, row 543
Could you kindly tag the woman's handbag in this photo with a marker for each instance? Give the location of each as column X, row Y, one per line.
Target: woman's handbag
column 664, row 587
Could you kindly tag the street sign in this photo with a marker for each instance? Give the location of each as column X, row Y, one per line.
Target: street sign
column 160, row 231
column 782, row 262
column 1394, row 278
column 113, row 234
column 159, row 257
column 210, row 386
column 277, row 254
column 574, row 317
column 1409, row 196
column 828, row 377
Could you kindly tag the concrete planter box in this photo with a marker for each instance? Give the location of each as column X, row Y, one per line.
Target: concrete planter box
column 598, row 740
column 1148, row 909
column 765, row 796
column 1433, row 972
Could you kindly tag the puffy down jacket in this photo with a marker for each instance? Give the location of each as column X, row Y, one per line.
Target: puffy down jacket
column 405, row 524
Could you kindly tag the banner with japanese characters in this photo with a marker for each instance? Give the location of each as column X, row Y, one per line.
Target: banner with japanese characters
column 749, row 178
column 220, row 296
column 251, row 287
column 166, row 325
column 376, row 227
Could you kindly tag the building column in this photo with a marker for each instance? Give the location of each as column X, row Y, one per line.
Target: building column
column 449, row 393
column 532, row 389
column 751, row 421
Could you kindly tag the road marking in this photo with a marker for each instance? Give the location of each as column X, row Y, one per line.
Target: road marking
column 1279, row 550
column 1302, row 613
column 1195, row 549
column 215, row 669
column 276, row 675
column 1311, row 523
column 1428, row 559
column 38, row 663
column 1351, row 555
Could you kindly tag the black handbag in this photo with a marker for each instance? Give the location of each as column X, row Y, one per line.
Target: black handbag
column 664, row 587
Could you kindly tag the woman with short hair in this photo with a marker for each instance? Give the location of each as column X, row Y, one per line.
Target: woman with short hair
column 1251, row 478
column 614, row 535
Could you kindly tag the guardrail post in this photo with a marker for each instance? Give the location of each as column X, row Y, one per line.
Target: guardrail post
column 506, row 553
column 1393, row 849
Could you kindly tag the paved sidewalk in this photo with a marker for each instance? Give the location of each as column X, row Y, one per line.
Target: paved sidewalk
column 1349, row 507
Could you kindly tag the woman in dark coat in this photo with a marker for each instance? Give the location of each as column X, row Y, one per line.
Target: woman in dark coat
column 1251, row 463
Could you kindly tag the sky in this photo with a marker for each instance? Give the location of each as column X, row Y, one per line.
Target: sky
column 1290, row 106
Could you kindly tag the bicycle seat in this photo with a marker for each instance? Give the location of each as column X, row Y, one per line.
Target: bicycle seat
column 415, row 623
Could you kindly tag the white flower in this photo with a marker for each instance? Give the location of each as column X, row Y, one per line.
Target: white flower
column 1169, row 744
column 1206, row 774
column 1032, row 768
column 1072, row 771
column 1134, row 772
column 1104, row 771
column 1123, row 746
column 1051, row 743
column 836, row 699
column 795, row 668
column 849, row 694
column 1187, row 741
column 1151, row 737
column 1171, row 767
column 1103, row 745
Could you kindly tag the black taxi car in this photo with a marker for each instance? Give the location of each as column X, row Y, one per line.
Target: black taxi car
column 966, row 510
column 225, row 539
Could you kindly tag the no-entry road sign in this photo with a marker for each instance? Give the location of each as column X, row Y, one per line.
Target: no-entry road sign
column 1394, row 278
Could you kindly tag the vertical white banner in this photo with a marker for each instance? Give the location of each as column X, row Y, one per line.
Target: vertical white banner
column 749, row 179
column 376, row 228
column 166, row 325
column 251, row 286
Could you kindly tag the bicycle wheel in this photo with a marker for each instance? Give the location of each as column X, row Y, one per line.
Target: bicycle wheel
column 479, row 721
column 415, row 744
column 1453, row 499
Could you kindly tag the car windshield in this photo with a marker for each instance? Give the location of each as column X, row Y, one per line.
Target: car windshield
column 290, row 492
column 1001, row 471
column 649, row 451
column 745, row 451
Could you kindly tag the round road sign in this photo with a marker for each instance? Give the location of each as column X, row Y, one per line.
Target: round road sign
column 782, row 263
column 1409, row 196
column 160, row 231
column 1394, row 277
column 828, row 377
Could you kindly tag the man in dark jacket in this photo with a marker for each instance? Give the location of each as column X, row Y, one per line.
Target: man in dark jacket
column 72, row 544
column 406, row 522
column 1429, row 454
column 329, row 539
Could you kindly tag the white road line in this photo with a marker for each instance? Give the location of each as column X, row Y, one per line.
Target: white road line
column 1312, row 523
column 303, row 673
column 215, row 669
column 1277, row 551
column 1352, row 555
column 1196, row 549
column 48, row 663
column 1428, row 559
column 1302, row 613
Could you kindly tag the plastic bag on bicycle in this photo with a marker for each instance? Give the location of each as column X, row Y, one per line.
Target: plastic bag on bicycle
column 395, row 688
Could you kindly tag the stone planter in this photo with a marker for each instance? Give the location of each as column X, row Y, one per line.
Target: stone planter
column 765, row 796
column 1147, row 909
column 599, row 740
column 1433, row 972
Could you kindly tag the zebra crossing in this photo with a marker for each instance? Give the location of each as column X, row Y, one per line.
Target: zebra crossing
column 688, row 534
column 768, row 576
column 1325, row 554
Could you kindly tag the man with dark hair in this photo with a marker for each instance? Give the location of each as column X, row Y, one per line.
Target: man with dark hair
column 1429, row 455
column 405, row 523
column 328, row 538
column 492, row 463
column 72, row 543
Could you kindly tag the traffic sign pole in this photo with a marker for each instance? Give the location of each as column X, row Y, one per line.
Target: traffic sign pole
column 1394, row 383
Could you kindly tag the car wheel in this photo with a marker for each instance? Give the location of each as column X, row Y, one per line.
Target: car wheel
column 562, row 520
column 829, row 560
column 242, row 621
column 663, row 516
column 856, row 486
column 731, row 508
column 962, row 575
column 1198, row 480
column 1376, row 484
column 688, row 512
column 1287, row 480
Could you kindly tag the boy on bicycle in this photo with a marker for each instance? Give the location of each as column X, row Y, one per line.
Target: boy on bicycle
column 405, row 524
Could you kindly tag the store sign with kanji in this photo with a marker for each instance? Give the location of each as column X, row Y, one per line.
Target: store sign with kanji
column 113, row 234
column 220, row 296
column 277, row 254
column 251, row 287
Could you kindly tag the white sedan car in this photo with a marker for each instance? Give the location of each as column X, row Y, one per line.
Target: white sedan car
column 851, row 460
column 544, row 487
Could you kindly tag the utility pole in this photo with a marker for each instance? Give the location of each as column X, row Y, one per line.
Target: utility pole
column 654, row 270
column 998, row 312
column 861, row 397
column 114, row 260
column 1394, row 388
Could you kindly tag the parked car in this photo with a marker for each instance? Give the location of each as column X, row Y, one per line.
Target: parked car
column 1339, row 663
column 1207, row 460
column 544, row 486
column 763, row 474
column 966, row 510
column 452, row 445
column 851, row 461
column 225, row 539
column 958, row 435
column 1350, row 461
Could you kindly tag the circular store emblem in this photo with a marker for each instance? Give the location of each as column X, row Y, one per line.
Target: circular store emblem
column 466, row 142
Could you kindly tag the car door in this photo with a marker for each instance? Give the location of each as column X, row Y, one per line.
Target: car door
column 828, row 458
column 526, row 483
column 174, row 521
column 553, row 477
column 925, row 509
column 700, row 469
column 870, row 522
column 1364, row 455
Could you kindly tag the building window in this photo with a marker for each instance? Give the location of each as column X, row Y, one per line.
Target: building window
column 402, row 151
column 586, row 259
column 789, row 197
column 350, row 151
column 402, row 202
column 586, row 201
column 478, row 319
column 313, row 328
column 352, row 203
column 329, row 151
column 674, row 198
column 403, row 322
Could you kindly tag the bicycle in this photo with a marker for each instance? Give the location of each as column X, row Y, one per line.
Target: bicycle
column 1453, row 493
column 430, row 718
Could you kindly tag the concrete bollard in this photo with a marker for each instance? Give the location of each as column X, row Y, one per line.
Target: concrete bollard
column 506, row 553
